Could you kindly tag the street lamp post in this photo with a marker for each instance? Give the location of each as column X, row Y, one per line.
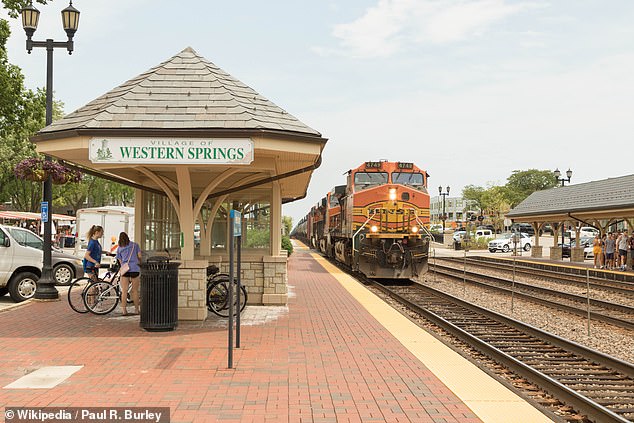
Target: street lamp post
column 70, row 21
column 563, row 181
column 444, row 215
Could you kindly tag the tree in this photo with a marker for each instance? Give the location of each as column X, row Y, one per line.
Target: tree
column 496, row 205
column 523, row 183
column 13, row 7
column 287, row 225
column 474, row 194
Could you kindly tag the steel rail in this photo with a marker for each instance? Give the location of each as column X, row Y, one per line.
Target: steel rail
column 582, row 403
column 627, row 324
column 621, row 286
column 548, row 291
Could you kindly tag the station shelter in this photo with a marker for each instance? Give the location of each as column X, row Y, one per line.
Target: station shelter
column 196, row 143
column 601, row 204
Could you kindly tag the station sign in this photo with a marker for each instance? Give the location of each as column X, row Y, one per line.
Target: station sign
column 233, row 151
column 236, row 222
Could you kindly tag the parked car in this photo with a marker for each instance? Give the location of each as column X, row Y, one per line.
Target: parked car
column 484, row 233
column 458, row 235
column 585, row 242
column 526, row 228
column 506, row 242
column 489, row 227
column 21, row 263
column 546, row 229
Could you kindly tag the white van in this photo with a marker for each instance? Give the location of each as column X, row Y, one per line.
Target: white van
column 21, row 263
column 484, row 233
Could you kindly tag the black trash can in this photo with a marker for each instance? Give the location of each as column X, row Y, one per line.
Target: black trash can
column 159, row 294
column 457, row 245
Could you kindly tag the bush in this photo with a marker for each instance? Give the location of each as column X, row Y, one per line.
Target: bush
column 479, row 244
column 287, row 245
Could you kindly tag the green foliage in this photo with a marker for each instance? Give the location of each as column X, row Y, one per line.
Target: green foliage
column 523, row 183
column 287, row 245
column 13, row 7
column 287, row 225
column 474, row 193
column 257, row 237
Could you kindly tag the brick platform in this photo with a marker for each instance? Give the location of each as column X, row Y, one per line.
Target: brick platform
column 321, row 359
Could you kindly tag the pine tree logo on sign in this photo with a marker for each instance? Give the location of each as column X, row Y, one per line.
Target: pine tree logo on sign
column 104, row 152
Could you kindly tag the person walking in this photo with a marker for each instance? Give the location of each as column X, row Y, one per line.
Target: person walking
column 129, row 255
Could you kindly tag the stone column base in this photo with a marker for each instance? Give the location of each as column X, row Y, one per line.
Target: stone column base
column 537, row 251
column 577, row 255
column 274, row 299
column 192, row 290
column 555, row 253
column 275, row 286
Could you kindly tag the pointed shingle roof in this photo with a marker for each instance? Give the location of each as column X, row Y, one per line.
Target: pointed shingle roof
column 184, row 92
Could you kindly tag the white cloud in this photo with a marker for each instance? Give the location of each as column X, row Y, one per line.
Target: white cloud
column 393, row 24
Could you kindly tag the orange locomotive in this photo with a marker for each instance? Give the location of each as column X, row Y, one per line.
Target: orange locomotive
column 376, row 222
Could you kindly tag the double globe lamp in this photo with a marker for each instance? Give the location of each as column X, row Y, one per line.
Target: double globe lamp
column 70, row 20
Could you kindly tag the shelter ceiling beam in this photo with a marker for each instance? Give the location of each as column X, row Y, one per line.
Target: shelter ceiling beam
column 166, row 181
column 269, row 179
column 110, row 177
column 206, row 227
column 211, row 186
column 166, row 189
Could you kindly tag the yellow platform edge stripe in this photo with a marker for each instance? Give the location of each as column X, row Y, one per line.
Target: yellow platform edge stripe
column 491, row 401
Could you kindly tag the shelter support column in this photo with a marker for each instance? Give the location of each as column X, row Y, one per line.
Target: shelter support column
column 276, row 220
column 537, row 251
column 576, row 253
column 186, row 215
column 139, row 216
column 192, row 283
column 555, row 251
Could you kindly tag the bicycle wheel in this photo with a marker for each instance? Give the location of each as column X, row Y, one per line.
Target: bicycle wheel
column 218, row 298
column 100, row 297
column 75, row 294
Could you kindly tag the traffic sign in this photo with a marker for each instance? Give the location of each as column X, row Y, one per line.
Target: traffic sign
column 44, row 211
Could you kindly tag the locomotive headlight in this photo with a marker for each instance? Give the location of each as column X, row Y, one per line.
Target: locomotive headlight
column 392, row 194
column 374, row 228
column 414, row 229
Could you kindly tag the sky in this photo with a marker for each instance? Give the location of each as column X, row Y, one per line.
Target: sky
column 469, row 90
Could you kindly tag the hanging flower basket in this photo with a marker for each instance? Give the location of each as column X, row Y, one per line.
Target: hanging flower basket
column 36, row 169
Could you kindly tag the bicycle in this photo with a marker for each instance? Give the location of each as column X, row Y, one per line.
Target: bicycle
column 218, row 293
column 77, row 289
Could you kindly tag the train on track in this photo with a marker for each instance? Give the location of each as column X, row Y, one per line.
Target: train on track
column 376, row 224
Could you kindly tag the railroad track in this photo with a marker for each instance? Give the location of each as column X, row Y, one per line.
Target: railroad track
column 605, row 311
column 595, row 384
column 618, row 287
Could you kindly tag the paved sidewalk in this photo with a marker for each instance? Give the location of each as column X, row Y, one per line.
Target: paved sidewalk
column 323, row 358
